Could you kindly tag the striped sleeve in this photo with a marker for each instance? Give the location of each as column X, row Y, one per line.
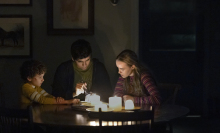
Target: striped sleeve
column 150, row 87
column 119, row 88
column 37, row 94
column 46, row 94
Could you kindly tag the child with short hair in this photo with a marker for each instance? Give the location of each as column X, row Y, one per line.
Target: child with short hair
column 32, row 72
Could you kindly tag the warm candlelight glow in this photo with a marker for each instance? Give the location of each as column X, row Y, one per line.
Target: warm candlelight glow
column 92, row 123
column 107, row 123
column 110, row 123
column 129, row 123
column 80, row 118
column 129, row 104
column 115, row 103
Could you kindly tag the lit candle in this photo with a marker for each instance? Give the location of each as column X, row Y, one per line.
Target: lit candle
column 95, row 99
column 102, row 106
column 115, row 103
column 87, row 99
column 129, row 104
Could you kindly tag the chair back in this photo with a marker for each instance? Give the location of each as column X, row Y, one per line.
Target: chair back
column 168, row 92
column 132, row 121
column 16, row 120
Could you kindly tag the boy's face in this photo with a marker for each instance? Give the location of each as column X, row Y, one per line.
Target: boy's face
column 83, row 63
column 37, row 80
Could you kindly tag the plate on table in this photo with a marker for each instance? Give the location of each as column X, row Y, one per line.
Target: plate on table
column 83, row 103
column 93, row 110
column 86, row 104
column 135, row 108
column 82, row 106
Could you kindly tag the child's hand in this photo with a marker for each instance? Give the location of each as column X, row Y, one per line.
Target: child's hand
column 75, row 101
column 59, row 99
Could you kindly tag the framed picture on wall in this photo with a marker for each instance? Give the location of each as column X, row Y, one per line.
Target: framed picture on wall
column 70, row 17
column 15, row 36
column 15, row 2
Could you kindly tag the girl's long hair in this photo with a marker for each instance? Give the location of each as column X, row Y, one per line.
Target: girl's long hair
column 130, row 58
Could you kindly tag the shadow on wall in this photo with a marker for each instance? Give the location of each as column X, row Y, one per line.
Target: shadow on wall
column 112, row 33
column 10, row 77
column 106, row 49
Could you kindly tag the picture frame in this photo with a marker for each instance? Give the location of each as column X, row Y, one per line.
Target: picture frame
column 15, row 36
column 15, row 2
column 70, row 17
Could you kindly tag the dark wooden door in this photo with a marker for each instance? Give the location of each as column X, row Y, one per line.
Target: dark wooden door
column 171, row 45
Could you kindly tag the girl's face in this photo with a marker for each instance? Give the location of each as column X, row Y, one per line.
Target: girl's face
column 124, row 70
column 37, row 80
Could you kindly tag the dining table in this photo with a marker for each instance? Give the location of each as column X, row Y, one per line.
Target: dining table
column 57, row 118
column 72, row 116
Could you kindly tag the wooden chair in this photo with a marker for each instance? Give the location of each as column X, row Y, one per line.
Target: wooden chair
column 129, row 122
column 168, row 93
column 16, row 120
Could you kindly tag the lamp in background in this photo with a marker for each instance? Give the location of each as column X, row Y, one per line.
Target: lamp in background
column 114, row 2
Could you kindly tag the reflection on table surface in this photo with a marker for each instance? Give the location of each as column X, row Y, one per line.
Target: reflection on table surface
column 65, row 115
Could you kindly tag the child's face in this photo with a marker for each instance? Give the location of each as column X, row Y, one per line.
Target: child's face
column 124, row 70
column 37, row 80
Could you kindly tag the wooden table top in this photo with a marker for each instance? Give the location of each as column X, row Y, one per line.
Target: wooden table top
column 65, row 115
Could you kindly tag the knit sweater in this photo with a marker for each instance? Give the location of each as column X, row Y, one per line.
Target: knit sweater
column 30, row 93
column 64, row 78
column 151, row 94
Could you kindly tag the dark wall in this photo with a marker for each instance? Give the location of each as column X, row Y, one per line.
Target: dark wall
column 213, row 87
column 112, row 34
column 196, row 70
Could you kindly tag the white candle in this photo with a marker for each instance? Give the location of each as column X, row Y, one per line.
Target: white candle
column 102, row 106
column 87, row 98
column 129, row 104
column 115, row 103
column 95, row 99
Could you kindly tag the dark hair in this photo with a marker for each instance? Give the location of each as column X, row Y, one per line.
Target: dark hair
column 129, row 57
column 30, row 68
column 80, row 49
